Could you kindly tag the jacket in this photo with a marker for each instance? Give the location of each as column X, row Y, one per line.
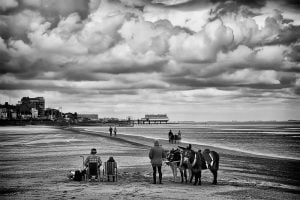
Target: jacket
column 156, row 154
column 93, row 159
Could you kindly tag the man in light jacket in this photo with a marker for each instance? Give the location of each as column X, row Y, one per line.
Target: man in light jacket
column 156, row 156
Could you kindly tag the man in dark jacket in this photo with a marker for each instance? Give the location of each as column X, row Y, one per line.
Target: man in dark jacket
column 156, row 156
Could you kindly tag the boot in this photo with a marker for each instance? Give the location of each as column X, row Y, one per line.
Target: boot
column 154, row 179
column 160, row 177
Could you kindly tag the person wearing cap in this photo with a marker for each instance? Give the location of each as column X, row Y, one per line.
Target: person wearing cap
column 156, row 156
column 93, row 158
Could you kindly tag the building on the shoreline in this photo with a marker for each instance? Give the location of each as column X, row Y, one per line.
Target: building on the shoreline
column 37, row 103
column 3, row 113
column 87, row 117
column 34, row 113
column 52, row 114
column 153, row 119
column 8, row 111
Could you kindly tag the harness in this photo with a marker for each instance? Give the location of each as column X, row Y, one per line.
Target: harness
column 194, row 163
column 212, row 161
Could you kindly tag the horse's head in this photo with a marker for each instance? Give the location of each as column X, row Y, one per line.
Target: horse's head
column 173, row 155
column 191, row 158
column 188, row 155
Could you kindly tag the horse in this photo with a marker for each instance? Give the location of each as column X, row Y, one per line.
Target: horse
column 173, row 138
column 177, row 138
column 198, row 162
column 175, row 162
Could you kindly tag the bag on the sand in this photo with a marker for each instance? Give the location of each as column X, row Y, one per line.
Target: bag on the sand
column 78, row 176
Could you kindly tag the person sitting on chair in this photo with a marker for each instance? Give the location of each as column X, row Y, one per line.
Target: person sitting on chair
column 111, row 168
column 93, row 158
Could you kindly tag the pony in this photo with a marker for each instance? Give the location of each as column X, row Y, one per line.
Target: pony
column 175, row 162
column 177, row 138
column 173, row 138
column 198, row 162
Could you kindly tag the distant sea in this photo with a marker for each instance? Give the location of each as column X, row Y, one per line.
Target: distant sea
column 273, row 139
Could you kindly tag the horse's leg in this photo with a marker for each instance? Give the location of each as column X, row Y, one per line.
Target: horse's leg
column 196, row 177
column 191, row 178
column 175, row 172
column 190, row 173
column 181, row 174
column 200, row 174
column 172, row 168
column 215, row 173
column 185, row 176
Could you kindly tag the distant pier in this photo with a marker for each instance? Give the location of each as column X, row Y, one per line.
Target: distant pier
column 153, row 119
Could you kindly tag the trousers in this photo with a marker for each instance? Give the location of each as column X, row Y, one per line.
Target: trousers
column 158, row 167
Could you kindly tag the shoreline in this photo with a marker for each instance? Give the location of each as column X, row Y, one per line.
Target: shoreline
column 141, row 141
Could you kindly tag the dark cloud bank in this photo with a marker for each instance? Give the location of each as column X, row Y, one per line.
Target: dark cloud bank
column 233, row 49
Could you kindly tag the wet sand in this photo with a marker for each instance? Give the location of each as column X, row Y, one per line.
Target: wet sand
column 38, row 171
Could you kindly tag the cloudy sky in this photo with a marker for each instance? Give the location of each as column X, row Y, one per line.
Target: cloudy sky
column 191, row 59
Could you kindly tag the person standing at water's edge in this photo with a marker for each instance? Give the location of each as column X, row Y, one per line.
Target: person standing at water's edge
column 110, row 131
column 171, row 136
column 156, row 156
column 115, row 130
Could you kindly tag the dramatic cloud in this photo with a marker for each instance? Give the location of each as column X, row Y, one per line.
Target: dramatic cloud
column 8, row 4
column 136, row 57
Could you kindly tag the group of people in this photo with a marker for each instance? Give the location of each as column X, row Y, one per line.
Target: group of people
column 111, row 131
column 156, row 155
column 93, row 158
column 174, row 138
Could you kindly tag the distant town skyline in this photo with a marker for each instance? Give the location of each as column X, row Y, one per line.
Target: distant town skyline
column 210, row 60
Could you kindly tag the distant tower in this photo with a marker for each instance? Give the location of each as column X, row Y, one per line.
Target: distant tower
column 38, row 103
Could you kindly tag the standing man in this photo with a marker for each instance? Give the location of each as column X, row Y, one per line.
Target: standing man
column 156, row 156
column 115, row 130
column 171, row 136
column 110, row 131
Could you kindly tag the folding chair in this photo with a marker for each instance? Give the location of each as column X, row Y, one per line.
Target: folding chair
column 93, row 172
column 110, row 171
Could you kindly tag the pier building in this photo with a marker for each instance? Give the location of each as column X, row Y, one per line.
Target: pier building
column 153, row 119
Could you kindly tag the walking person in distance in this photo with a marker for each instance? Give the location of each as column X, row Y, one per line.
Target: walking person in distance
column 110, row 131
column 115, row 131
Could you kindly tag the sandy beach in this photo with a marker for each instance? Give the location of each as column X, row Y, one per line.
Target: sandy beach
column 34, row 169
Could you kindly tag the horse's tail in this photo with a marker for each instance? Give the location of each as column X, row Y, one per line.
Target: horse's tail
column 216, row 160
column 199, row 160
